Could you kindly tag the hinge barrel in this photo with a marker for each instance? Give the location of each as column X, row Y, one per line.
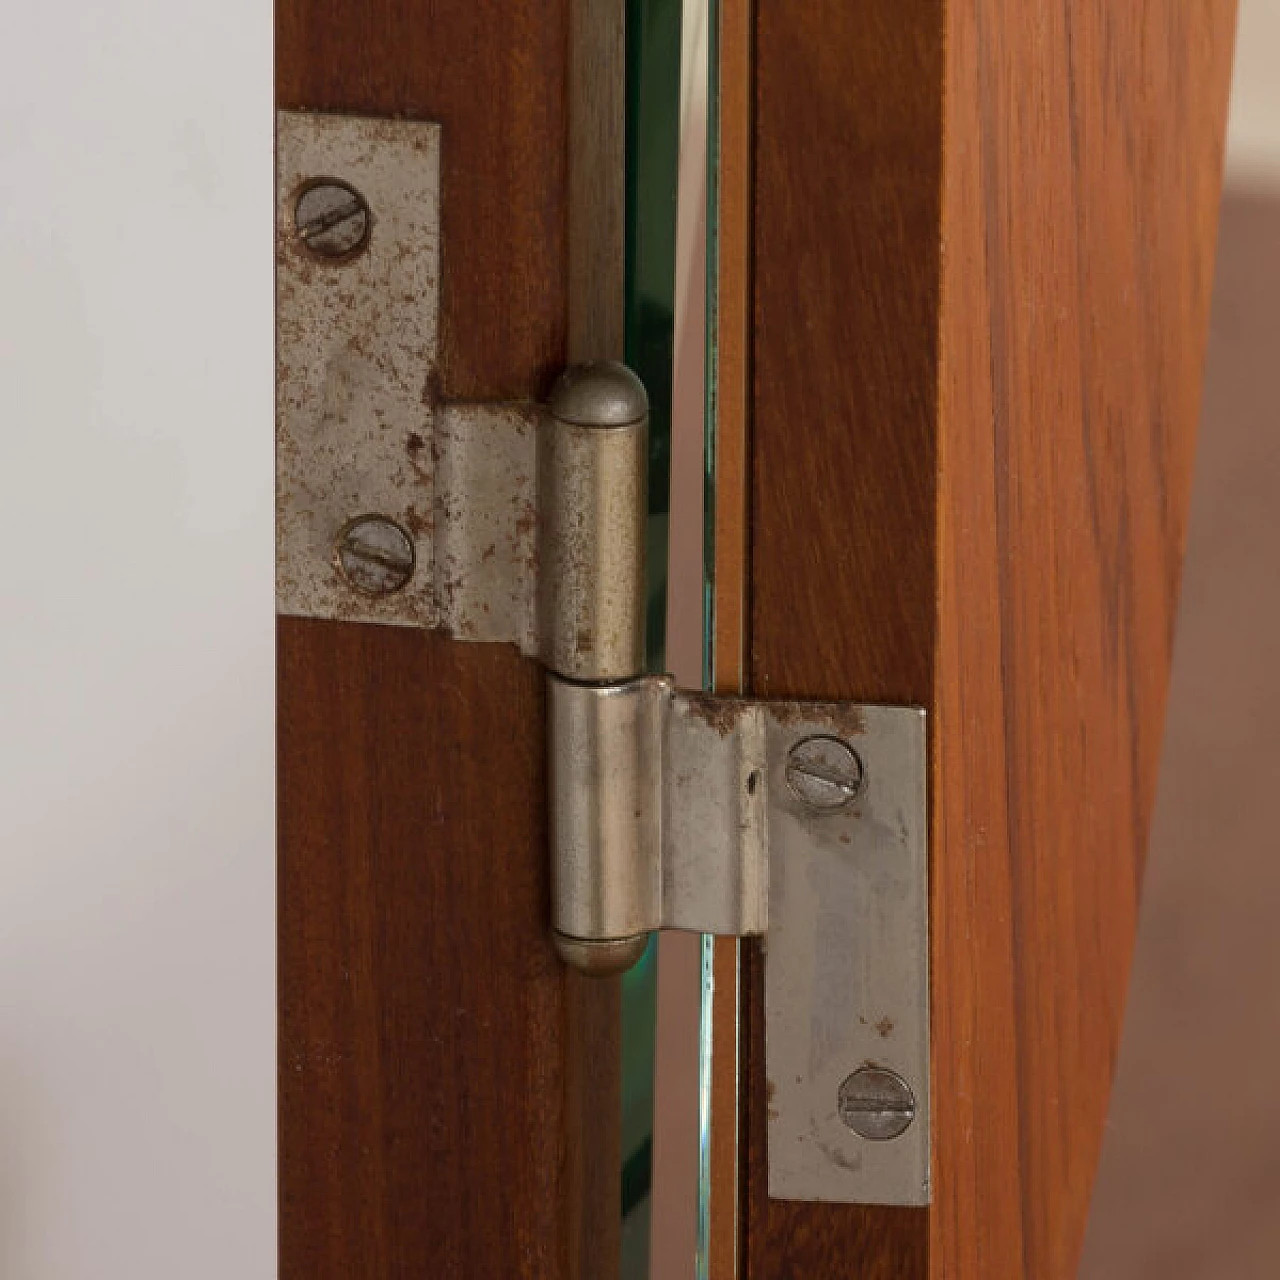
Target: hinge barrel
column 592, row 504
column 604, row 752
column 659, row 816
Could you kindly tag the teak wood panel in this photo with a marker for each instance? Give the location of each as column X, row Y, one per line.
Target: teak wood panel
column 448, row 1090
column 728, row 371
column 984, row 237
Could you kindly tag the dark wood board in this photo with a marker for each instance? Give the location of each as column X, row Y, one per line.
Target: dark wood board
column 448, row 1090
column 429, row 1040
column 495, row 77
column 848, row 163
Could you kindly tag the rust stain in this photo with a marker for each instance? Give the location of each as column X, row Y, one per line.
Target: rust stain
column 720, row 714
column 526, row 521
column 839, row 719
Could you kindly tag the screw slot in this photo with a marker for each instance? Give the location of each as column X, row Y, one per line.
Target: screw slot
column 877, row 1104
column 331, row 219
column 374, row 555
column 824, row 773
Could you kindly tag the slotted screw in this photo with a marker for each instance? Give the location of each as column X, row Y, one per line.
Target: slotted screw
column 877, row 1104
column 331, row 219
column 824, row 772
column 374, row 555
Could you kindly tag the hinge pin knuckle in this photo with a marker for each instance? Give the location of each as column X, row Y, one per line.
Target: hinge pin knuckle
column 592, row 499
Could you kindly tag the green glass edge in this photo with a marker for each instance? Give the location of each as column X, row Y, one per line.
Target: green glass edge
column 652, row 155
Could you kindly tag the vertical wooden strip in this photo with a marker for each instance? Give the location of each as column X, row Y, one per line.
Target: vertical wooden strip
column 497, row 78
column 847, row 209
column 420, row 1007
column 597, row 178
column 731, row 236
column 847, row 190
column 449, row 1091
column 729, row 239
column 1082, row 178
column 723, row 1183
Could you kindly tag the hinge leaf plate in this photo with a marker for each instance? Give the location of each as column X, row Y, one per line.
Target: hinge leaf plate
column 847, row 965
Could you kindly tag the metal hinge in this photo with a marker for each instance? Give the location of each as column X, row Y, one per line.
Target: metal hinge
column 799, row 822
column 802, row 823
column 511, row 521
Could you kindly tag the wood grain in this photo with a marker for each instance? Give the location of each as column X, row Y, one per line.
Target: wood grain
column 449, row 1093
column 425, row 1022
column 730, row 350
column 976, row 384
column 1083, row 186
column 843, row 455
column 495, row 76
column 597, row 178
column 729, row 356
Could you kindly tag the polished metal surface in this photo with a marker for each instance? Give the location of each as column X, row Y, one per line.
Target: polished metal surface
column 657, row 811
column 601, row 394
column 604, row 752
column 847, row 966
column 592, row 502
column 595, row 959
column 802, row 821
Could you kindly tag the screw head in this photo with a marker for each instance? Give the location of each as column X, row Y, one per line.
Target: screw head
column 374, row 555
column 331, row 219
column 824, row 773
column 877, row 1104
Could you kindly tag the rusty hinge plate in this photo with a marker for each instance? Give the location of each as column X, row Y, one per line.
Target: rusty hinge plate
column 397, row 506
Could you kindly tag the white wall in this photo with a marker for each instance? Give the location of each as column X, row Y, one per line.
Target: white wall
column 137, row 932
